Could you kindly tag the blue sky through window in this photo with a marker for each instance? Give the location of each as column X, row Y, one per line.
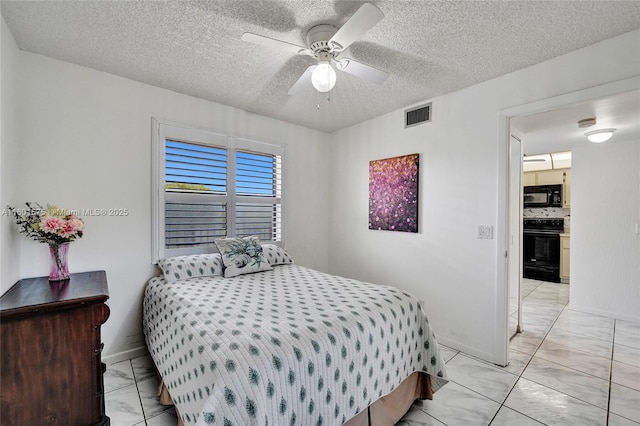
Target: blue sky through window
column 254, row 174
column 194, row 164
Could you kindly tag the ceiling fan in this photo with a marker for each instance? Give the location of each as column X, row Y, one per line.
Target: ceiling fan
column 325, row 43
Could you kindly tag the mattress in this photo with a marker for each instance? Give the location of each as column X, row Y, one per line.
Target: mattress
column 286, row 346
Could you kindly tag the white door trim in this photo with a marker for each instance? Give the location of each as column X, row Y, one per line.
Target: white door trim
column 501, row 350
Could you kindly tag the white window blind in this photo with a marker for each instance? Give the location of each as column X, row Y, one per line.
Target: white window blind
column 193, row 176
column 258, row 195
column 209, row 186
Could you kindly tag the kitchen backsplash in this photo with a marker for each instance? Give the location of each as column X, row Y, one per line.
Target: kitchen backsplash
column 547, row 212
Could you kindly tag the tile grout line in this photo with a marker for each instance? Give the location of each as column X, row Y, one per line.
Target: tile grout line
column 610, row 380
column 135, row 383
column 135, row 378
column 610, row 369
column 528, row 362
column 613, row 346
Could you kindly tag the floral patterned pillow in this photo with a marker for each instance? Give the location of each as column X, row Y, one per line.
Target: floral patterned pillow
column 276, row 255
column 242, row 256
column 195, row 265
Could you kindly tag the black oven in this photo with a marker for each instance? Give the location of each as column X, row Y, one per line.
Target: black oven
column 543, row 196
column 541, row 248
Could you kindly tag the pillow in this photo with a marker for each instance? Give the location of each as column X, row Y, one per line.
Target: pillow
column 194, row 265
column 242, row 256
column 276, row 255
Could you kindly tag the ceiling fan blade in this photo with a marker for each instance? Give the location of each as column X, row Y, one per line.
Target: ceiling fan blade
column 361, row 70
column 303, row 81
column 276, row 44
column 362, row 21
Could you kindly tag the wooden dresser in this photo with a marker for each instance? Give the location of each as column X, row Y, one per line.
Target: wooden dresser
column 50, row 367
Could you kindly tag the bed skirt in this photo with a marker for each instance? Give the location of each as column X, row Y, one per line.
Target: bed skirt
column 386, row 411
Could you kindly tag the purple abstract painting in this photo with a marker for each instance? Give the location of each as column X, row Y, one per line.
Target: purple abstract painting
column 393, row 193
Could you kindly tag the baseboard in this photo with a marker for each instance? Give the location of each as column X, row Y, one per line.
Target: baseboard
column 125, row 355
column 614, row 315
column 467, row 350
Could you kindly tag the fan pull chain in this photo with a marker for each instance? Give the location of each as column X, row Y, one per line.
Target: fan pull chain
column 318, row 98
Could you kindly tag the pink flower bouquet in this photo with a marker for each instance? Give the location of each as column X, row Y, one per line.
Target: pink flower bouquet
column 52, row 225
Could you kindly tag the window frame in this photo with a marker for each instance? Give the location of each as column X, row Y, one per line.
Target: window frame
column 165, row 130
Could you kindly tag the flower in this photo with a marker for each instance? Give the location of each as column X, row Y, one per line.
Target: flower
column 52, row 225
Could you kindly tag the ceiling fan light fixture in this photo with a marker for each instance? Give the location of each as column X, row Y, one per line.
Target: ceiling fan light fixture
column 323, row 77
column 325, row 43
column 599, row 136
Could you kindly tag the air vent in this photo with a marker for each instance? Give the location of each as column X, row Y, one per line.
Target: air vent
column 419, row 115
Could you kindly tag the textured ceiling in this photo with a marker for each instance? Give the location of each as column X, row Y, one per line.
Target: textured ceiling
column 557, row 130
column 429, row 47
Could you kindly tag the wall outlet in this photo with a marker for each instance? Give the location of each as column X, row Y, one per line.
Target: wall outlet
column 485, row 232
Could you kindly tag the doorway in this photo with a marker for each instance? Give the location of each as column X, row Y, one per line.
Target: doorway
column 511, row 243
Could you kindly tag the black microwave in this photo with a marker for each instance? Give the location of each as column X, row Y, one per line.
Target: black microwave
column 543, row 196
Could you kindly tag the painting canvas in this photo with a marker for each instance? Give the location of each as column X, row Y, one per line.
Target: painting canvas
column 393, row 193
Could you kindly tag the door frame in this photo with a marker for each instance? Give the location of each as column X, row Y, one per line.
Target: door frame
column 515, row 237
column 503, row 235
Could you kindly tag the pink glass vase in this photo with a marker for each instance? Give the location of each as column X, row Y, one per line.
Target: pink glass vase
column 59, row 265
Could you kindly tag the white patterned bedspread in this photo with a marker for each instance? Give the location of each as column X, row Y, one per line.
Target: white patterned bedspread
column 290, row 346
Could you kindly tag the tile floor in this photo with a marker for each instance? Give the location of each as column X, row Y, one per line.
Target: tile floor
column 567, row 368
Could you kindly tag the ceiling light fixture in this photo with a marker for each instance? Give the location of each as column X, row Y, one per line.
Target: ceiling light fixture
column 326, row 43
column 599, row 136
column 323, row 77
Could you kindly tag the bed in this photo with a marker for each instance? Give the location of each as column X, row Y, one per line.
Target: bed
column 285, row 345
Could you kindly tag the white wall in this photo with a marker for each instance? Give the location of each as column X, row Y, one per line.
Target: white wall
column 605, row 248
column 82, row 140
column 462, row 185
column 85, row 141
column 9, row 253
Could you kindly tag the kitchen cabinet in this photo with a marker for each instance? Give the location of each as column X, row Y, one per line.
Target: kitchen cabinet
column 550, row 177
column 50, row 349
column 529, row 178
column 565, row 258
column 566, row 189
column 544, row 177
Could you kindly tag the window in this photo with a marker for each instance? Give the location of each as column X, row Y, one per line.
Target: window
column 209, row 186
